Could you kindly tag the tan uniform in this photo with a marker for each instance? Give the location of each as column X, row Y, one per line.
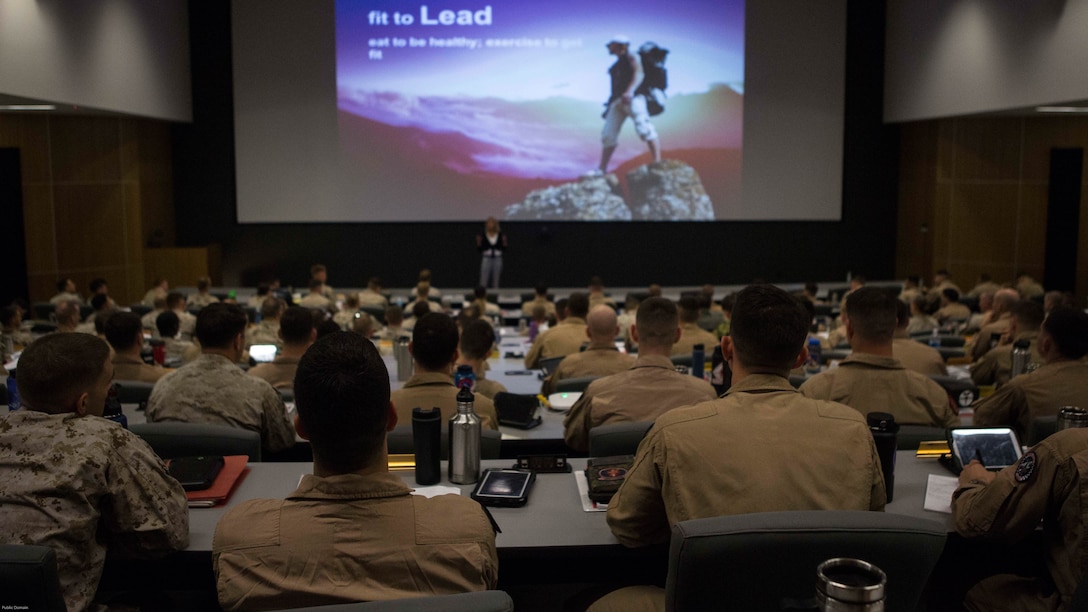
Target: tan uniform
column 645, row 391
column 431, row 304
column 995, row 367
column 564, row 339
column 690, row 335
column 200, row 300
column 213, row 390
column 368, row 297
column 954, row 311
column 186, row 324
column 428, row 390
column 181, row 350
column 719, row 458
column 921, row 323
column 345, row 319
column 980, row 342
column 80, row 485
column 984, row 287
column 357, row 538
column 527, row 307
column 265, row 332
column 919, row 357
column 131, row 368
column 1048, row 485
column 149, row 321
column 280, row 372
column 154, row 293
column 907, row 295
column 488, row 388
column 64, row 296
column 315, row 301
column 1040, row 393
column 596, row 360
column 600, row 299
column 1030, row 289
column 869, row 383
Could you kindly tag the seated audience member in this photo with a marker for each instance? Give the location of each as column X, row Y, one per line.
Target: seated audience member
column 1048, row 486
column 483, row 306
column 365, row 325
column 650, row 387
column 66, row 292
column 627, row 318
column 1028, row 287
column 126, row 335
column 76, row 482
column 564, row 338
column 345, row 317
column 995, row 367
column 358, row 529
column 316, row 297
column 996, row 325
column 920, row 322
column 99, row 286
column 394, row 324
column 148, row 320
column 423, row 295
column 710, row 313
column 912, row 289
column 177, row 351
column 67, row 316
column 951, row 309
column 254, row 301
column 690, row 332
column 434, row 352
column 653, row 290
column 267, row 331
column 372, row 295
column 12, row 335
column 477, row 341
column 871, row 379
column 984, row 315
column 323, row 326
column 811, row 293
column 175, row 302
column 297, row 333
column 914, row 355
column 103, row 306
column 709, row 303
column 601, row 357
column 419, row 310
column 157, row 292
column 985, row 284
column 213, row 389
column 1062, row 380
column 540, row 298
column 727, row 314
column 1058, row 299
column 942, row 279
column 597, row 295
column 425, row 277
column 318, row 272
column 203, row 295
column 713, row 459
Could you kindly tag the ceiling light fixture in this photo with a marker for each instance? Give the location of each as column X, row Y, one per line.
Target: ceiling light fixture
column 1061, row 109
column 27, row 107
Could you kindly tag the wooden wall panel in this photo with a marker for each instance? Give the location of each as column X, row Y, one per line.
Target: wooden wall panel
column 38, row 223
column 28, row 133
column 85, row 149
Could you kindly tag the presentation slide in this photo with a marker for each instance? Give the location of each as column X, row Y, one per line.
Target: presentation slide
column 464, row 109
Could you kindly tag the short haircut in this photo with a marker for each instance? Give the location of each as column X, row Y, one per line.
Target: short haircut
column 97, row 284
column 352, row 300
column 434, row 340
column 654, row 290
column 271, row 307
column 480, row 292
column 477, row 338
column 122, row 328
column 317, row 269
column 425, row 275
column 326, row 327
column 728, row 301
column 342, row 396
column 951, row 294
column 1068, row 327
column 218, row 324
column 578, row 304
column 420, row 308
column 541, row 289
column 595, row 282
column 812, row 288
column 902, row 314
column 316, row 285
column 1029, row 315
column 100, row 301
column 62, row 284
column 656, row 322
column 203, row 283
column 872, row 313
column 362, row 323
column 263, row 289
column 769, row 328
column 561, row 305
column 296, row 325
column 56, row 368
column 920, row 302
column 394, row 315
column 168, row 324
column 174, row 299
column 375, row 281
column 689, row 309
column 67, row 313
column 423, row 289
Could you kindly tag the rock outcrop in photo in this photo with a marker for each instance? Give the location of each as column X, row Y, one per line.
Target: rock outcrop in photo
column 669, row 190
column 596, row 198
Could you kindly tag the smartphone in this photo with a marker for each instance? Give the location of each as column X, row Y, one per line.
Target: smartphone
column 508, row 488
column 196, row 473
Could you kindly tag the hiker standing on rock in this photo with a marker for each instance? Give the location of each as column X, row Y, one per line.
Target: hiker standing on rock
column 627, row 100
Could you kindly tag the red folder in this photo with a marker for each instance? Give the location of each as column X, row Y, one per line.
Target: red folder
column 234, row 470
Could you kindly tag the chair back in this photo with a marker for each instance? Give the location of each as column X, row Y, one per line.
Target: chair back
column 377, row 312
column 29, row 579
column 1041, row 428
column 911, row 436
column 401, row 442
column 759, row 561
column 481, row 601
column 964, row 392
column 572, row 385
column 617, row 438
column 140, row 309
column 683, row 359
column 42, row 311
column 134, row 391
column 170, row 439
column 550, row 364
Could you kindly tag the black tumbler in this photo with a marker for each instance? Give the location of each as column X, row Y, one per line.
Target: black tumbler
column 427, row 440
column 885, row 433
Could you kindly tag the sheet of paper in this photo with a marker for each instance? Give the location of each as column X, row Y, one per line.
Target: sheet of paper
column 588, row 505
column 939, row 492
column 435, row 491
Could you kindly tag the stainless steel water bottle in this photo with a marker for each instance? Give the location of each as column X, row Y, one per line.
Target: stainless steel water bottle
column 1021, row 355
column 464, row 464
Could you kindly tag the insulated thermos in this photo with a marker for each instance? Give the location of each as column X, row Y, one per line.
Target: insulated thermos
column 698, row 360
column 1021, row 355
column 427, row 440
column 885, row 433
column 850, row 585
column 464, row 464
column 403, row 357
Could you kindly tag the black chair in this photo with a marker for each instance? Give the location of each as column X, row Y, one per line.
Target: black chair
column 574, row 385
column 377, row 312
column 482, row 601
column 140, row 309
column 400, row 442
column 617, row 438
column 1041, row 428
column 42, row 311
column 758, row 561
column 911, row 436
column 834, row 354
column 549, row 365
column 682, row 360
column 287, row 395
column 85, row 311
column 170, row 439
column 29, row 579
column 134, row 392
column 946, row 340
column 964, row 392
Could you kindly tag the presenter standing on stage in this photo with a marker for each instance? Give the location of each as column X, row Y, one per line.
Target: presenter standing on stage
column 491, row 244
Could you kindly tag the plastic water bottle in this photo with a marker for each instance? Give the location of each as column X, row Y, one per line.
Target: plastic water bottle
column 698, row 358
column 464, row 465
column 935, row 338
column 112, row 410
column 815, row 356
column 14, row 403
column 464, row 377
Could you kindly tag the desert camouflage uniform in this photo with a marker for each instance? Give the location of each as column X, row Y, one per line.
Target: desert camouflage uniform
column 213, row 390
column 80, row 485
column 265, row 332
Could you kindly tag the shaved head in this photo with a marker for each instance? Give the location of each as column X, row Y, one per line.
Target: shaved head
column 601, row 324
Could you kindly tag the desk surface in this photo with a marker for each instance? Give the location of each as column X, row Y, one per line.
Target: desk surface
column 553, row 518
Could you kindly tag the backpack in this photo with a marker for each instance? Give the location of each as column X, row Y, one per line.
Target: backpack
column 655, row 77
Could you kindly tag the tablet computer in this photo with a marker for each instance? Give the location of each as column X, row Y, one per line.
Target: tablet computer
column 262, row 353
column 504, row 487
column 996, row 447
column 196, row 473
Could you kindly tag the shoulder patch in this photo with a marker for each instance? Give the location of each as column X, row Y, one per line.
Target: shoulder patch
column 1026, row 468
